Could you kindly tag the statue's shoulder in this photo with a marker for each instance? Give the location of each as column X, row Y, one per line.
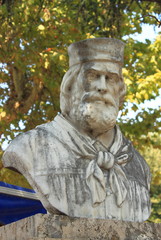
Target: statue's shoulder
column 30, row 138
column 27, row 146
column 46, row 126
column 39, row 131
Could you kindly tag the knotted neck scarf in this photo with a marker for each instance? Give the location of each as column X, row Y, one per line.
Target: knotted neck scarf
column 112, row 160
column 118, row 181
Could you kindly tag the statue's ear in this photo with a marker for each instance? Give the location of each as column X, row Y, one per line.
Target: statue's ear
column 122, row 91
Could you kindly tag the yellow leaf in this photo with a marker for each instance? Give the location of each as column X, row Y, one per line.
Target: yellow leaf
column 141, row 80
column 55, row 53
column 88, row 35
column 139, row 54
column 138, row 95
column 41, row 27
column 17, row 104
column 131, row 97
column 127, row 81
column 3, row 114
column 61, row 57
column 125, row 71
column 32, row 70
column 46, row 64
column 146, row 96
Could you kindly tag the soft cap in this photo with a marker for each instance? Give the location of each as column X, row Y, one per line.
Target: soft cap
column 96, row 49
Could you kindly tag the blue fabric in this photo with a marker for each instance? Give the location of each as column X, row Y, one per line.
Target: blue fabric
column 13, row 208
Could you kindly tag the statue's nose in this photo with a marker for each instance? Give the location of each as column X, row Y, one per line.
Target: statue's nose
column 102, row 85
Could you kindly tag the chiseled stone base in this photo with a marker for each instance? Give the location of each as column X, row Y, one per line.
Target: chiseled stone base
column 48, row 227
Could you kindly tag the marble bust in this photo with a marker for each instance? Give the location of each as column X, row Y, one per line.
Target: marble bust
column 80, row 164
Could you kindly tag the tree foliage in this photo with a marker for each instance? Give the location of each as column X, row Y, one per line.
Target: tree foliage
column 149, row 152
column 34, row 36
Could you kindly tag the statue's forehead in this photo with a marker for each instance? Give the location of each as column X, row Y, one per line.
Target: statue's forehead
column 102, row 66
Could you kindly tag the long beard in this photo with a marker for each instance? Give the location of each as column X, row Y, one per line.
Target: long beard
column 95, row 116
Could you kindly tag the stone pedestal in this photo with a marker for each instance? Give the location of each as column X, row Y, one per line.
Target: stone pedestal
column 48, row 227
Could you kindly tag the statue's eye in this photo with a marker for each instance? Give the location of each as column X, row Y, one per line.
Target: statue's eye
column 98, row 75
column 91, row 75
column 106, row 77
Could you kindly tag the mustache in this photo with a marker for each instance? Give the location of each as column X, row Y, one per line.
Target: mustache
column 94, row 96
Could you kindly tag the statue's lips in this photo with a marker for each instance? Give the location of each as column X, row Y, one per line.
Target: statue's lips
column 107, row 101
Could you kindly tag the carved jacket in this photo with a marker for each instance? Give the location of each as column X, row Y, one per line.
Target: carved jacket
column 78, row 176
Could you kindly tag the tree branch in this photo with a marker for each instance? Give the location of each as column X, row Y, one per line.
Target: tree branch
column 18, row 79
column 23, row 106
column 149, row 15
column 157, row 1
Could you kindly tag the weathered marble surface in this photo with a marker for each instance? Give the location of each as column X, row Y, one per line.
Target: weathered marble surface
column 46, row 227
column 80, row 164
column 59, row 173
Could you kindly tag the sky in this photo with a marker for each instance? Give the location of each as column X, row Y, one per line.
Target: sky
column 148, row 32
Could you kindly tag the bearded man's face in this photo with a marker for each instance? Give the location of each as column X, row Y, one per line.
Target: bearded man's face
column 95, row 97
